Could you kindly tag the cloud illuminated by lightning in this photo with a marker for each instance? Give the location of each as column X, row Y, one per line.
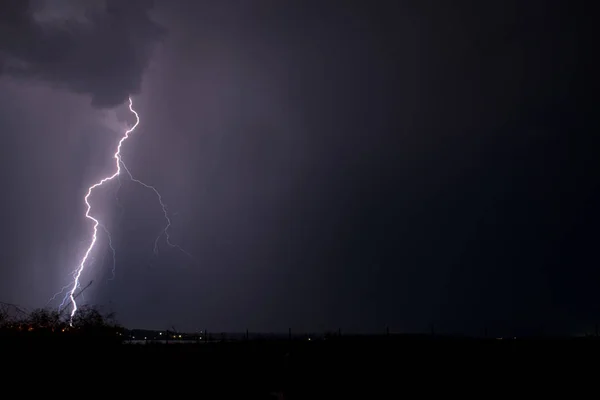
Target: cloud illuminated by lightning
column 119, row 164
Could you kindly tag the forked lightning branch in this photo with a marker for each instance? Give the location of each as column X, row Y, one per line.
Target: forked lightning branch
column 120, row 166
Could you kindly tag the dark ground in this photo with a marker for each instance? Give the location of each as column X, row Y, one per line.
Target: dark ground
column 383, row 367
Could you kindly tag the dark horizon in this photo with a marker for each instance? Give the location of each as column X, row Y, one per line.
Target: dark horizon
column 401, row 163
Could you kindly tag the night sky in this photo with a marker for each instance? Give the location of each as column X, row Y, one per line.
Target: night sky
column 350, row 165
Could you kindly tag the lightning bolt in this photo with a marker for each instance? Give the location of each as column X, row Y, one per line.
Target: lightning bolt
column 165, row 231
column 114, row 252
column 119, row 164
column 64, row 288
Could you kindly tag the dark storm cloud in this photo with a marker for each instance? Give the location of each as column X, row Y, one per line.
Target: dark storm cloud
column 103, row 56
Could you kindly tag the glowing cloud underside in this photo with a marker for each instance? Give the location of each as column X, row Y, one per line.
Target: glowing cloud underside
column 120, row 166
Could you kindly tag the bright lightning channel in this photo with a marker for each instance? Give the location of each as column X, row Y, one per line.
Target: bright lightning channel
column 119, row 163
column 65, row 299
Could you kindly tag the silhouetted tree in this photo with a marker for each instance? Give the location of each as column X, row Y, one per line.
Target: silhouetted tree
column 44, row 319
column 88, row 320
column 4, row 321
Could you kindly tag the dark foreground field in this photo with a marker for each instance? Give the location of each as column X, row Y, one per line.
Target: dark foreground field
column 384, row 367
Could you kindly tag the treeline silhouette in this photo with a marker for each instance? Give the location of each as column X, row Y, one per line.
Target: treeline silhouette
column 43, row 324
